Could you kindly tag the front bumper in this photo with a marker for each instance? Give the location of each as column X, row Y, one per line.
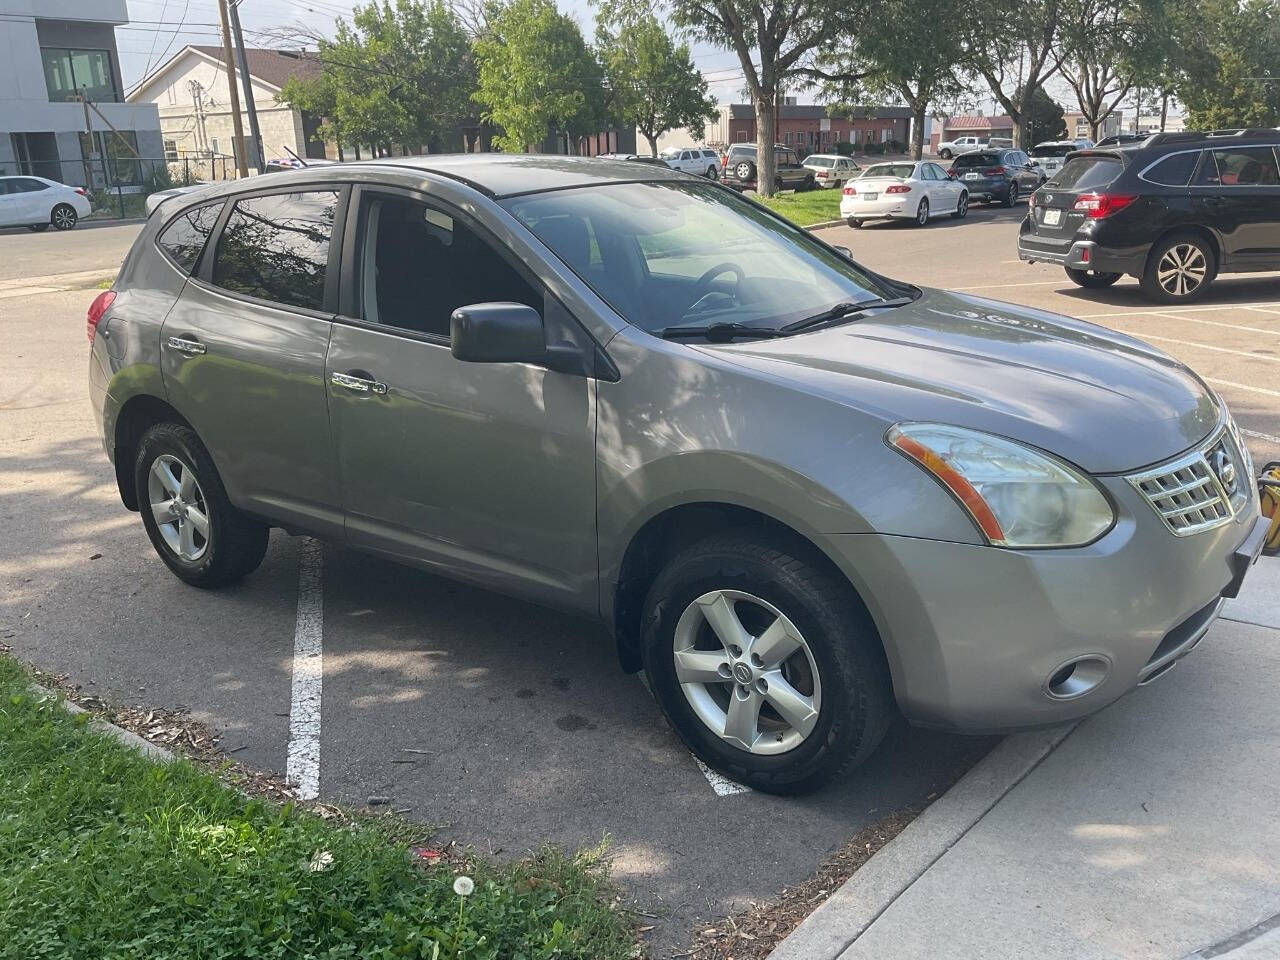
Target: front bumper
column 975, row 634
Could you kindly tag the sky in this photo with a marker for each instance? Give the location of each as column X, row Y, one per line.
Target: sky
column 160, row 28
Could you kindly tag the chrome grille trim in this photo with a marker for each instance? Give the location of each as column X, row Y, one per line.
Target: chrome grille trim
column 1188, row 494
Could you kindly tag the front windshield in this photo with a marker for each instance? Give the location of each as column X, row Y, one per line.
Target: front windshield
column 819, row 161
column 902, row 171
column 683, row 254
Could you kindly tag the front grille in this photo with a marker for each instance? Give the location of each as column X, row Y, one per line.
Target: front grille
column 1200, row 490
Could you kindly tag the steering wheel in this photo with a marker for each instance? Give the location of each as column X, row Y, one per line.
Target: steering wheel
column 719, row 268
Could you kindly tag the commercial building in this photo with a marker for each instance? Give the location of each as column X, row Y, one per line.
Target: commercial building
column 814, row 127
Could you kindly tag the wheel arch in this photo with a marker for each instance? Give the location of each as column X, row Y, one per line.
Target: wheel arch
column 138, row 415
column 1189, row 229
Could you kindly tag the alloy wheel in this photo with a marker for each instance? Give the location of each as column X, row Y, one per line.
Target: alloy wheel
column 963, row 206
column 1182, row 269
column 922, row 213
column 179, row 507
column 64, row 217
column 747, row 672
column 742, row 171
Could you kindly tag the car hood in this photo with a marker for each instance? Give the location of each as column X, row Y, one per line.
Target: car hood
column 1100, row 399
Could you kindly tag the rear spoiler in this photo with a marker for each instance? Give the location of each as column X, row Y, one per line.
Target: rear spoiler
column 1115, row 153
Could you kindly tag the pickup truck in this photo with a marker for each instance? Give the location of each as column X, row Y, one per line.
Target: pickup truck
column 950, row 148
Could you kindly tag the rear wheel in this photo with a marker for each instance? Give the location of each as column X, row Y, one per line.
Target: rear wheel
column 922, row 212
column 1179, row 270
column 765, row 663
column 777, row 184
column 64, row 216
column 945, row 154
column 713, row 173
column 1012, row 196
column 194, row 528
column 1091, row 279
column 855, row 223
column 809, row 183
column 962, row 206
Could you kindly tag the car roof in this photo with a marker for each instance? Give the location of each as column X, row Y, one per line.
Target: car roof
column 828, row 156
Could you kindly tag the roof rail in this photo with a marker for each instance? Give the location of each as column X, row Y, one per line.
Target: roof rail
column 1193, row 136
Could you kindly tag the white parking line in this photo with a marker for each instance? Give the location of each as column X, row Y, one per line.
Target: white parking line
column 1213, row 323
column 1243, row 386
column 1260, row 436
column 723, row 786
column 1141, row 311
column 1205, row 346
column 303, row 769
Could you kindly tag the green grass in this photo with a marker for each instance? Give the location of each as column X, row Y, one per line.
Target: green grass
column 107, row 855
column 806, row 208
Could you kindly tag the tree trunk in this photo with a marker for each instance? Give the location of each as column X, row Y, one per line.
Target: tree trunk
column 653, row 145
column 766, row 166
column 917, row 131
column 1164, row 109
column 1094, row 128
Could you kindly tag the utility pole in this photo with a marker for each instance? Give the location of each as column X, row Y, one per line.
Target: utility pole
column 242, row 162
column 259, row 160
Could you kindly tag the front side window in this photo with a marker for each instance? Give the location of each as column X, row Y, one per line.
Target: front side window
column 418, row 264
column 277, row 247
column 672, row 254
column 1247, row 167
column 70, row 73
column 184, row 239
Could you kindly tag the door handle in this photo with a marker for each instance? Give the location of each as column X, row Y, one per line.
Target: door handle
column 190, row 347
column 358, row 384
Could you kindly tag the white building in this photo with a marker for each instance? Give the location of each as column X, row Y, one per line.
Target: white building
column 51, row 53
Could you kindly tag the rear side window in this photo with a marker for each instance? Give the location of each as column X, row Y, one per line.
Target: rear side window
column 1174, row 170
column 184, row 239
column 1052, row 150
column 1247, row 167
column 977, row 160
column 1087, row 173
column 277, row 248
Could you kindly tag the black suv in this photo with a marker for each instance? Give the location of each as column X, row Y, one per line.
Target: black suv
column 739, row 168
column 1174, row 211
column 996, row 175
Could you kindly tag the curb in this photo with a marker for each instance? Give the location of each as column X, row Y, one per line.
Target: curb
column 848, row 912
column 98, row 725
column 824, row 224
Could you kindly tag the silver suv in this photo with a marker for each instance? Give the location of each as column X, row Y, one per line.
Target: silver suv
column 801, row 495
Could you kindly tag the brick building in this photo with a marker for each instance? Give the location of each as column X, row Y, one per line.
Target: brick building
column 811, row 127
column 971, row 125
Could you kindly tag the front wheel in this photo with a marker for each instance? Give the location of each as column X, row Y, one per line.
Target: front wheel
column 945, row 154
column 962, row 206
column 64, row 216
column 765, row 663
column 1091, row 279
column 855, row 223
column 194, row 528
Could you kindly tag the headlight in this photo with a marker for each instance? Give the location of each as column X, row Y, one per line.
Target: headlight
column 1017, row 496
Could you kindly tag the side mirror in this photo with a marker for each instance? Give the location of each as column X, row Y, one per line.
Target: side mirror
column 844, row 252
column 508, row 333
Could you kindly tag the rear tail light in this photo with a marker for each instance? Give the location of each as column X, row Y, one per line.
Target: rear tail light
column 1095, row 206
column 101, row 304
column 822, row 174
column 850, row 192
column 80, row 190
column 898, row 188
column 994, row 171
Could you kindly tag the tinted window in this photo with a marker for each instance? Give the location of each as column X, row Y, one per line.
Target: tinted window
column 277, row 247
column 977, row 159
column 1207, row 174
column 824, row 162
column 1087, row 173
column 1247, row 167
column 417, row 265
column 1174, row 170
column 184, row 239
column 1052, row 150
column 28, row 185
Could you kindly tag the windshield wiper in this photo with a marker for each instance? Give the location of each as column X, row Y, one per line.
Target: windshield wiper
column 842, row 310
column 721, row 332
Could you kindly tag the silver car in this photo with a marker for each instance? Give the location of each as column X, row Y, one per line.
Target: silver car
column 801, row 495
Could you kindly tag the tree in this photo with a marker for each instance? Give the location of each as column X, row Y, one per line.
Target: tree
column 1014, row 47
column 1228, row 75
column 1043, row 119
column 653, row 83
column 779, row 33
column 537, row 76
column 397, row 73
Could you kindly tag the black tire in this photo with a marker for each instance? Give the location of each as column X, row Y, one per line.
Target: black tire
column 809, row 183
column 777, row 184
column 37, row 227
column 1150, row 280
column 945, row 154
column 1011, row 197
column 236, row 543
column 922, row 213
column 64, row 216
column 855, row 223
column 962, row 207
column 1093, row 281
column 856, row 703
column 713, row 173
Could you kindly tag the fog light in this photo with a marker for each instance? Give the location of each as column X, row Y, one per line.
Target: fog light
column 1077, row 677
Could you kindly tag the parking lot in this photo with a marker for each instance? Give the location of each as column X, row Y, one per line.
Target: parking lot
column 502, row 724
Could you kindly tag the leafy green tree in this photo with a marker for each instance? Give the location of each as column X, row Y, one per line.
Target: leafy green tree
column 1230, row 70
column 653, row 83
column 1043, row 118
column 538, row 76
column 398, row 73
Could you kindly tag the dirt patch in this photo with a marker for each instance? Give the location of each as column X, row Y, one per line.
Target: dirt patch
column 752, row 934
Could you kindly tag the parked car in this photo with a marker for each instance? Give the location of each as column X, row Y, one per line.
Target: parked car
column 35, row 203
column 634, row 158
column 953, row 148
column 738, row 169
column 994, row 541
column 831, row 169
column 905, row 190
column 1175, row 211
column 695, row 160
column 1122, row 139
column 1006, row 176
column 1048, row 156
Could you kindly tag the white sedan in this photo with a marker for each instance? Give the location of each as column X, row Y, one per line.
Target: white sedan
column 35, row 203
column 904, row 190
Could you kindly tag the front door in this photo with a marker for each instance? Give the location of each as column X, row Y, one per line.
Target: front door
column 1237, row 189
column 484, row 471
column 243, row 351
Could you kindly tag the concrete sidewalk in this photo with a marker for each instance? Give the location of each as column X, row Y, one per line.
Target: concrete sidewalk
column 1151, row 830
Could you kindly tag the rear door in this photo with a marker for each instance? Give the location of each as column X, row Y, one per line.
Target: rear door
column 1055, row 215
column 243, row 350
column 1237, row 191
